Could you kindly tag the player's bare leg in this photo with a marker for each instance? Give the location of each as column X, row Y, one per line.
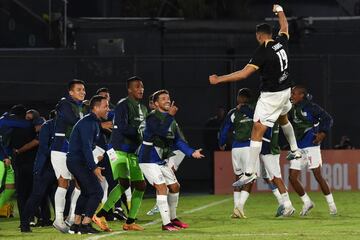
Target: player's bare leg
column 299, row 189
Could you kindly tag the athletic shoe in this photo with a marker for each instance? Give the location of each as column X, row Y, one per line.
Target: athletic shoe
column 60, row 226
column 177, row 223
column 25, row 228
column 68, row 222
column 132, row 227
column 288, row 211
column 294, row 155
column 101, row 222
column 238, row 213
column 87, row 229
column 32, row 224
column 332, row 208
column 280, row 211
column 74, row 229
column 244, row 180
column 306, row 208
column 153, row 211
column 119, row 214
column 169, row 227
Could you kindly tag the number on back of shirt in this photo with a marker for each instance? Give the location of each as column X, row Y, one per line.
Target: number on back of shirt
column 283, row 59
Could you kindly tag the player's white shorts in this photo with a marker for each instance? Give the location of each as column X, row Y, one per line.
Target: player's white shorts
column 176, row 160
column 271, row 164
column 58, row 161
column 311, row 158
column 158, row 174
column 271, row 105
column 240, row 157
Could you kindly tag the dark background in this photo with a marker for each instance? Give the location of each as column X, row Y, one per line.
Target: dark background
column 176, row 45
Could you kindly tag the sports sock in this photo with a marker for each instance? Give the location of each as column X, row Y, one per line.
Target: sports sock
column 290, row 135
column 173, row 200
column 5, row 196
column 74, row 197
column 113, row 197
column 236, row 199
column 305, row 198
column 162, row 203
column 278, row 196
column 255, row 149
column 136, row 200
column 60, row 203
column 286, row 199
column 244, row 195
column 329, row 199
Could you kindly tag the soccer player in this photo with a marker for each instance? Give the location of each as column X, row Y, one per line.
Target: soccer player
column 125, row 139
column 270, row 158
column 43, row 173
column 70, row 109
column 82, row 164
column 160, row 135
column 311, row 124
column 271, row 59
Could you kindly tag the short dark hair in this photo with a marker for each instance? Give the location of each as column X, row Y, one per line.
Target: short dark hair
column 96, row 100
column 264, row 28
column 103, row 89
column 52, row 114
column 245, row 92
column 132, row 79
column 18, row 110
column 73, row 82
column 158, row 93
column 301, row 88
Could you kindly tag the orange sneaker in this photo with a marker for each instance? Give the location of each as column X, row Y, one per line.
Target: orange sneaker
column 132, row 227
column 102, row 223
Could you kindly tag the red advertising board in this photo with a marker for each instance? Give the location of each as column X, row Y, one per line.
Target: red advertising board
column 341, row 169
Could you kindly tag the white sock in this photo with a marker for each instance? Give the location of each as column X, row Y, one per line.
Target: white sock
column 306, row 199
column 290, row 135
column 278, row 196
column 236, row 199
column 329, row 199
column 286, row 199
column 255, row 149
column 104, row 185
column 162, row 203
column 74, row 197
column 60, row 203
column 173, row 200
column 244, row 195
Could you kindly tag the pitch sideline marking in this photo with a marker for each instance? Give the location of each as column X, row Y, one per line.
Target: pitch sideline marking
column 159, row 219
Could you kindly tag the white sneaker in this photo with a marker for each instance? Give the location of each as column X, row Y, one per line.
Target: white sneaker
column 306, row 208
column 288, row 211
column 244, row 180
column 61, row 226
column 153, row 211
column 332, row 208
column 238, row 213
column 294, row 155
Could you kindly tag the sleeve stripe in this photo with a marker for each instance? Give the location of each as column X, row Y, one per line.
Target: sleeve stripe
column 287, row 34
column 253, row 65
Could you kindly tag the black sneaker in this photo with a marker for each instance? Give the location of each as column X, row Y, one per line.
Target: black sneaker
column 25, row 228
column 87, row 229
column 74, row 229
column 119, row 214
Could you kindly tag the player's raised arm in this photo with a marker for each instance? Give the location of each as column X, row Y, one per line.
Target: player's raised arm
column 233, row 77
column 284, row 27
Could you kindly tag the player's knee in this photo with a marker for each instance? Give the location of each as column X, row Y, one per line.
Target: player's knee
column 125, row 183
column 174, row 188
column 161, row 189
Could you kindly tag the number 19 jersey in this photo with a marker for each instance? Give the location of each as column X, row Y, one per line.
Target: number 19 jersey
column 271, row 58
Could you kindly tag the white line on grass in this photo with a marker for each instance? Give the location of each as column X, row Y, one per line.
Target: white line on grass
column 159, row 219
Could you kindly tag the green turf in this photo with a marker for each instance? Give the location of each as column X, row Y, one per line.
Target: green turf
column 214, row 222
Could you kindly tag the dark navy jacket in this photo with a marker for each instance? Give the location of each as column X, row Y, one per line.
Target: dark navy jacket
column 67, row 115
column 46, row 138
column 83, row 140
column 153, row 127
column 7, row 123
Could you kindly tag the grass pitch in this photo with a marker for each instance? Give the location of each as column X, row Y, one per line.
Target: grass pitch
column 208, row 217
